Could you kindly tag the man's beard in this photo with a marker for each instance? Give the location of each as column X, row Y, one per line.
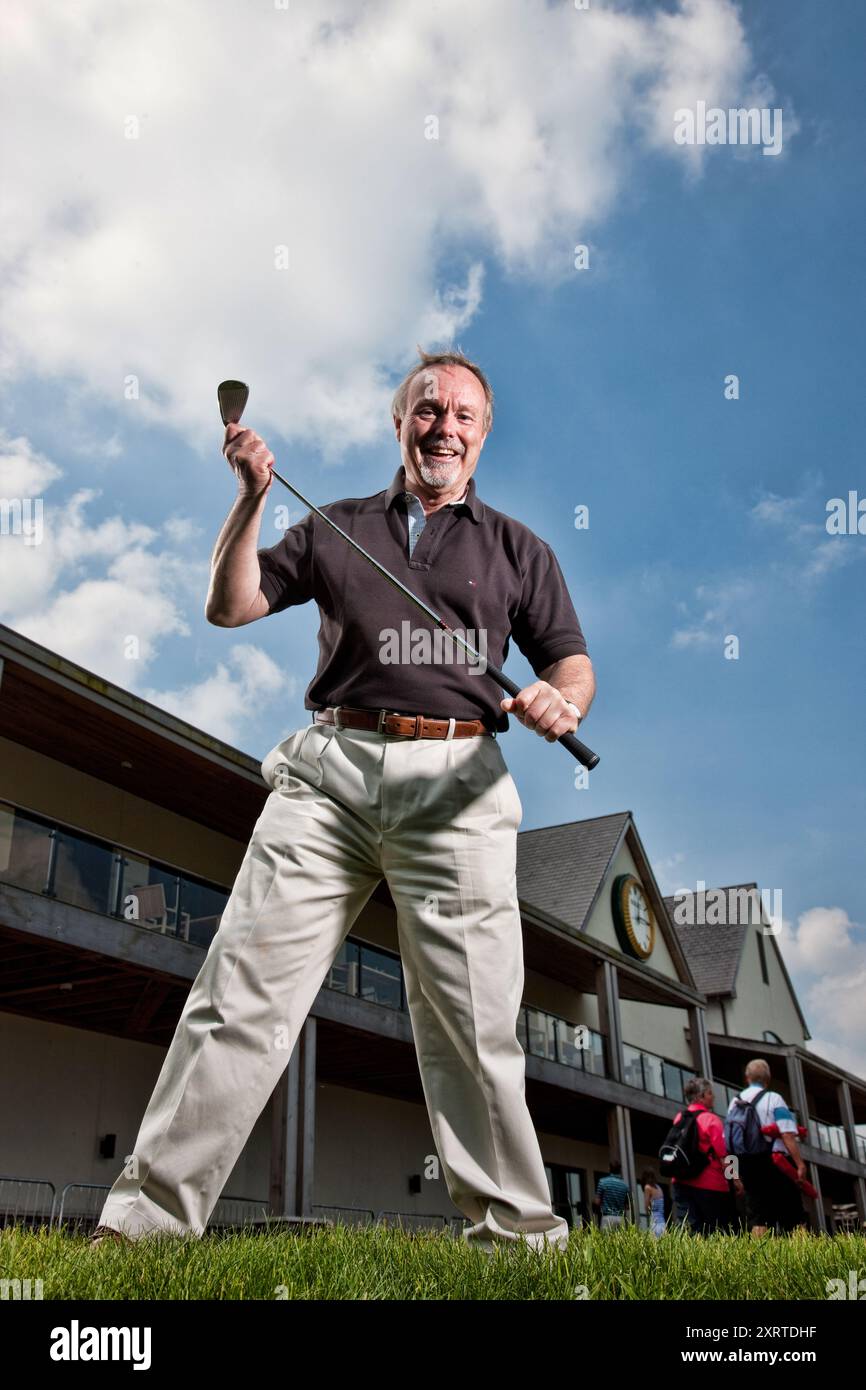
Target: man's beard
column 442, row 476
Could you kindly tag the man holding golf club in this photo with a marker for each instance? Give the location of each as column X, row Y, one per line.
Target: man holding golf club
column 399, row 775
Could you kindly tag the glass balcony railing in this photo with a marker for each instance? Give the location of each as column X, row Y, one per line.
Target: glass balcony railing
column 367, row 973
column 65, row 864
column 724, row 1093
column 648, row 1072
column 831, row 1138
column 574, row 1045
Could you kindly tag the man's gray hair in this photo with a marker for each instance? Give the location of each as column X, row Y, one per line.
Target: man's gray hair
column 758, row 1072
column 696, row 1087
column 454, row 358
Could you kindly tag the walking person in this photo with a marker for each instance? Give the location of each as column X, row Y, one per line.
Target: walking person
column 398, row 776
column 612, row 1197
column 773, row 1201
column 704, row 1195
column 654, row 1199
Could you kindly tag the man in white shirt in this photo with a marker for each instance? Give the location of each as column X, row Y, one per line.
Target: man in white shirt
column 772, row 1199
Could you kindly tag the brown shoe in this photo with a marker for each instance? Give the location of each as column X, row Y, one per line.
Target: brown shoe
column 104, row 1233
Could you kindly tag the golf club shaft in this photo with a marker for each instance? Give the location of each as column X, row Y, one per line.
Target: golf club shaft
column 577, row 749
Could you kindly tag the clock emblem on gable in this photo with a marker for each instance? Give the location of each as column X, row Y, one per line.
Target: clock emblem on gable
column 633, row 917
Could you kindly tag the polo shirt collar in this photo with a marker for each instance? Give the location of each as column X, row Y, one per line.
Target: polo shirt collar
column 398, row 487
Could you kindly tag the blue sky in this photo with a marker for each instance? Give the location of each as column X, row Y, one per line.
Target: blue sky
column 707, row 516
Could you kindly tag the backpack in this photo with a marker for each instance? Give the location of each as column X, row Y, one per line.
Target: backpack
column 680, row 1156
column 743, row 1127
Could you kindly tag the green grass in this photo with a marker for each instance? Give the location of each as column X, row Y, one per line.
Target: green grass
column 381, row 1263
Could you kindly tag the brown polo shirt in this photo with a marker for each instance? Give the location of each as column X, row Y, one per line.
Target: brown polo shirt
column 485, row 574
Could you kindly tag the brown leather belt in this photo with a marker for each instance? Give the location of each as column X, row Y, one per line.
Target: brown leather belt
column 383, row 721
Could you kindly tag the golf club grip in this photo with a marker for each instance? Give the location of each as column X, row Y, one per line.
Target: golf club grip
column 575, row 747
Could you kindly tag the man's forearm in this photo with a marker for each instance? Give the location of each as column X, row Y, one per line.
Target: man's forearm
column 574, row 678
column 235, row 580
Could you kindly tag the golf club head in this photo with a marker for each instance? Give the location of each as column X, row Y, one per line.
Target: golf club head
column 232, row 396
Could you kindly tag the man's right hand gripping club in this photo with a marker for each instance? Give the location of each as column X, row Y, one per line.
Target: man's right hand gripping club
column 251, row 460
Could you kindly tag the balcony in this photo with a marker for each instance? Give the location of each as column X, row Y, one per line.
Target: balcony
column 47, row 857
column 572, row 1045
column 832, row 1139
column 58, row 861
column 648, row 1072
column 368, row 973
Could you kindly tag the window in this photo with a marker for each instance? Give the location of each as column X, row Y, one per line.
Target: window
column 25, row 847
column 542, row 1034
column 381, row 978
column 568, row 1193
column 633, row 1059
column 344, row 973
column 43, row 856
column 82, row 873
column 201, row 910
column 763, row 955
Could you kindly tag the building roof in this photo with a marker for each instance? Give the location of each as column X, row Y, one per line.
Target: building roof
column 560, row 868
column 59, row 709
column 714, row 956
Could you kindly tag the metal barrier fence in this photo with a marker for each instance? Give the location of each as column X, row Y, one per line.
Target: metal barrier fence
column 33, row 1203
column 347, row 1216
column 80, row 1205
column 412, row 1221
column 26, row 1202
column 231, row 1212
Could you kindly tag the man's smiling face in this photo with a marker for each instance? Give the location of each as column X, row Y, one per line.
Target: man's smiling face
column 442, row 432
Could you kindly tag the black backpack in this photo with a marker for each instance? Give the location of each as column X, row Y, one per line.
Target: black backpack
column 680, row 1155
column 743, row 1128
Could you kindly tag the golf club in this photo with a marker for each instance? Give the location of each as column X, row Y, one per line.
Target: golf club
column 232, row 397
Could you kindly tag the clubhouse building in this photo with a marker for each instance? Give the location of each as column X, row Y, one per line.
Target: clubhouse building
column 121, row 831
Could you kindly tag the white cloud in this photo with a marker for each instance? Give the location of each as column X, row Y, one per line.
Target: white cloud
column 225, row 701
column 826, row 953
column 181, row 528
column 24, row 472
column 814, row 553
column 828, row 556
column 796, row 554
column 723, row 606
column 103, row 594
column 261, row 127
column 822, row 943
column 88, row 586
column 775, row 511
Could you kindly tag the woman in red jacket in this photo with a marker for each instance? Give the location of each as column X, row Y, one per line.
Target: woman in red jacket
column 707, row 1202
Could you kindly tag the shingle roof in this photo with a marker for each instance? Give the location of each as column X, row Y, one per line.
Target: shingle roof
column 713, row 951
column 560, row 867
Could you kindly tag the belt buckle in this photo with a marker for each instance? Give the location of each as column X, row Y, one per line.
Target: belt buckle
column 383, row 715
column 337, row 721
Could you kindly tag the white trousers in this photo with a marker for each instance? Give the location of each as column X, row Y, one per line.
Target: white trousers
column 438, row 819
